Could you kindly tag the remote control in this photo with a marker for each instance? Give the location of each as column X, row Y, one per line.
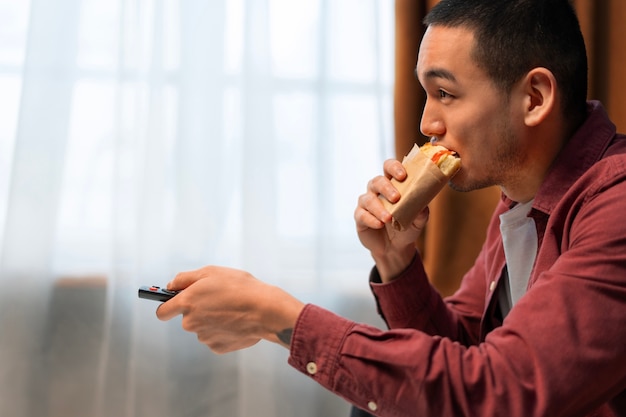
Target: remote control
column 156, row 293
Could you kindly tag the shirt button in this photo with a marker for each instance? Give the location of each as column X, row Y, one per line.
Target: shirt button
column 492, row 286
column 311, row 368
column 372, row 406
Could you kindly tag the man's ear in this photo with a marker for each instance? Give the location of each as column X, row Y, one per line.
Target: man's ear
column 540, row 95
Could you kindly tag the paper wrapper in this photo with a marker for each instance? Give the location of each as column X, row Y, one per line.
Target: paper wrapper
column 423, row 182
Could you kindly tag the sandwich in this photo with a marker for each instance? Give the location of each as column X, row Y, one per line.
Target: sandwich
column 429, row 168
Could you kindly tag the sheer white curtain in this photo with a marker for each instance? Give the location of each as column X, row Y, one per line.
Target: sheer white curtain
column 139, row 138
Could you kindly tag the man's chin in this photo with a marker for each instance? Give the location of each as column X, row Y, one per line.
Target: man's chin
column 463, row 184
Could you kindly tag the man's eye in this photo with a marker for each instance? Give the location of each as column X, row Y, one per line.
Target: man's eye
column 444, row 94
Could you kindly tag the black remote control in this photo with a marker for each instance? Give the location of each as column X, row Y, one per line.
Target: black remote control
column 155, row 293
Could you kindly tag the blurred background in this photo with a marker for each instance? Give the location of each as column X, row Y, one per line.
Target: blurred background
column 140, row 138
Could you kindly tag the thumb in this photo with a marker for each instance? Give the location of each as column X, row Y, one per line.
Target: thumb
column 410, row 235
column 420, row 221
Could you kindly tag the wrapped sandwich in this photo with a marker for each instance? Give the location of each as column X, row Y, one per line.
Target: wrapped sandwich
column 429, row 168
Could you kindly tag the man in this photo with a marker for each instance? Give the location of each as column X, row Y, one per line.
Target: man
column 538, row 325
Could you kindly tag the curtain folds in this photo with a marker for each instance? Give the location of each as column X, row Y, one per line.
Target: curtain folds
column 141, row 138
column 602, row 26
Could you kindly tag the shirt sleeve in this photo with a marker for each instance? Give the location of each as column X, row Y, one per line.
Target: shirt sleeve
column 398, row 372
column 385, row 372
column 410, row 301
column 560, row 351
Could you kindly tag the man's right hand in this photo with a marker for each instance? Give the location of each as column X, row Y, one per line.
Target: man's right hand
column 392, row 250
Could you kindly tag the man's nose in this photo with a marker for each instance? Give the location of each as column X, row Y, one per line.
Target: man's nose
column 431, row 123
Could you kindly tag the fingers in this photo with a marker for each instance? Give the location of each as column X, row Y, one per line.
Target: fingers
column 208, row 332
column 184, row 279
column 181, row 281
column 370, row 211
column 394, row 169
column 172, row 308
column 221, row 343
column 383, row 185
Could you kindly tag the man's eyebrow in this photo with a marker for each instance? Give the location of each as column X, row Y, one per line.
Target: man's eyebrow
column 437, row 73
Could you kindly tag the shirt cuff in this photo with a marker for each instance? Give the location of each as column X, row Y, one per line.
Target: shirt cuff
column 316, row 342
column 402, row 298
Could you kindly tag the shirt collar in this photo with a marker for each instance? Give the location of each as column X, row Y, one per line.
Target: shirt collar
column 584, row 149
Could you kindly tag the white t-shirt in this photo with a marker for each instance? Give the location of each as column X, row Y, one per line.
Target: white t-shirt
column 519, row 237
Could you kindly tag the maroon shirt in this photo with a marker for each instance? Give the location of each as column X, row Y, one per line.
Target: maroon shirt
column 561, row 350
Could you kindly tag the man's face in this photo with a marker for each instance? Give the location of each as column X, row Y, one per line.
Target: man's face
column 466, row 112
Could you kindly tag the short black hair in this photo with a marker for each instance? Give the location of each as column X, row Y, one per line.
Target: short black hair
column 514, row 36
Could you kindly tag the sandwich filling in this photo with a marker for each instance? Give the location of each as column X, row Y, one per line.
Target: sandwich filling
column 447, row 160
